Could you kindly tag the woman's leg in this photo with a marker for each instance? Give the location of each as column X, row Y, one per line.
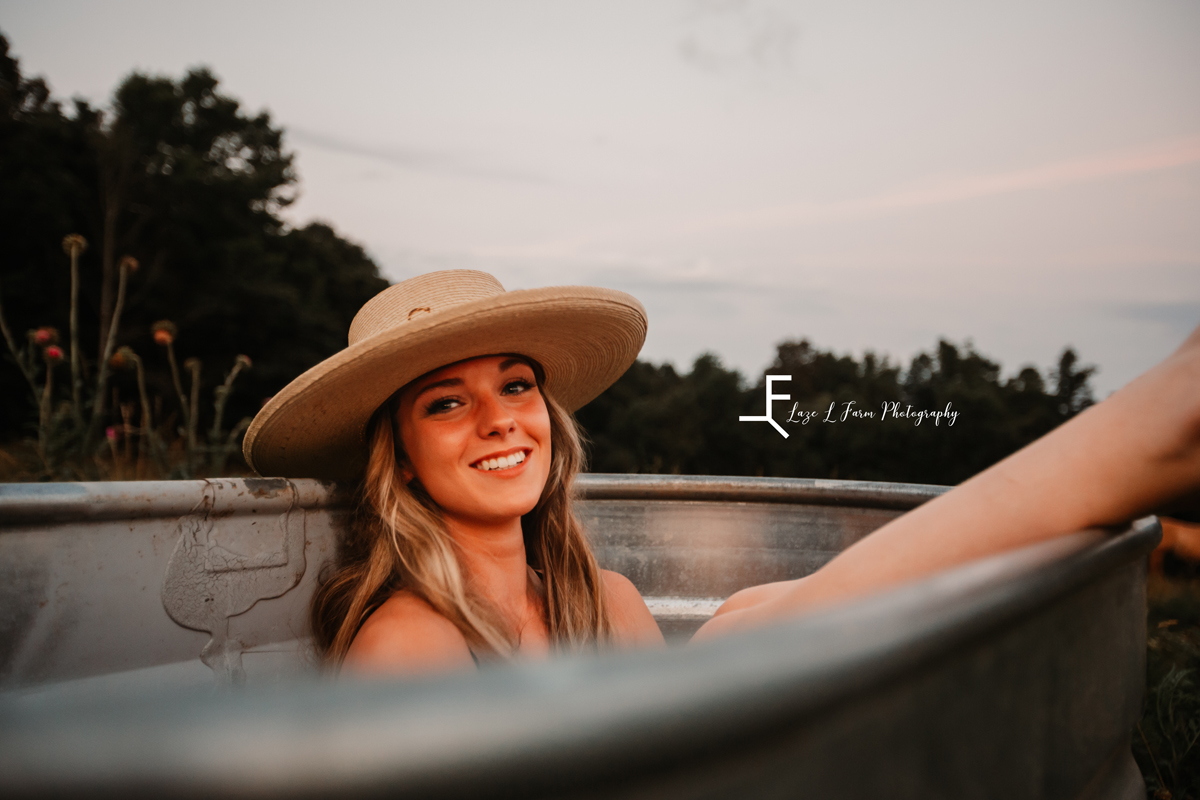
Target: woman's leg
column 1135, row 453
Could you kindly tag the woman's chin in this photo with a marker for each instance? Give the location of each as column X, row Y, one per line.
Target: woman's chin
column 495, row 505
column 489, row 499
column 490, row 516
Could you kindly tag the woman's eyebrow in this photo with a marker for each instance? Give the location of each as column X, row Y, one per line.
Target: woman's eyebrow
column 438, row 385
column 509, row 363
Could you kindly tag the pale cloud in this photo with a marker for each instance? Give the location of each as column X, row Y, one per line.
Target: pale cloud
column 725, row 35
column 413, row 158
column 1178, row 318
column 1148, row 158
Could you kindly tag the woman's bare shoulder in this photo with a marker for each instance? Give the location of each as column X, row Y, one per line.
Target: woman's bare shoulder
column 633, row 624
column 406, row 635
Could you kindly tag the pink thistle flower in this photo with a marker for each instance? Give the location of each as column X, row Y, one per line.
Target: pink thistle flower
column 54, row 353
column 45, row 336
column 112, row 433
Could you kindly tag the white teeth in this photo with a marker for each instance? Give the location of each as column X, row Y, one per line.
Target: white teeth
column 503, row 462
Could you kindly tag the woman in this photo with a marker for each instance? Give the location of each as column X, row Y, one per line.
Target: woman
column 451, row 407
column 453, row 555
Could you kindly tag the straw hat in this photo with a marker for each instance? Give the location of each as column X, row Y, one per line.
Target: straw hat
column 583, row 337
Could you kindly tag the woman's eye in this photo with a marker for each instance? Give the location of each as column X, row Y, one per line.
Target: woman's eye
column 441, row 405
column 517, row 387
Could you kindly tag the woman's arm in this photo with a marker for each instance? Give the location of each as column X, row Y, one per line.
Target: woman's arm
column 1125, row 457
column 632, row 622
column 406, row 636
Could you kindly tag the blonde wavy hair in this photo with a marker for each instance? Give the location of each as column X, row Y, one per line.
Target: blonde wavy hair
column 397, row 540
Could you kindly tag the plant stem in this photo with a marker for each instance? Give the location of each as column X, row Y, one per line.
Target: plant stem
column 193, row 411
column 76, row 357
column 183, row 403
column 26, row 369
column 109, row 343
column 144, row 444
column 117, row 471
column 127, row 430
column 1153, row 759
column 108, row 310
column 44, row 416
column 222, row 395
column 223, row 451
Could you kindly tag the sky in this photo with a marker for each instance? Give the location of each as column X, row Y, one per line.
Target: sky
column 868, row 175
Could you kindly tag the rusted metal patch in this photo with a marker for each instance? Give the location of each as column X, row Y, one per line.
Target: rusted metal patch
column 263, row 488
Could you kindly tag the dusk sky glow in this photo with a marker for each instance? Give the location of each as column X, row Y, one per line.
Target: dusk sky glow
column 869, row 175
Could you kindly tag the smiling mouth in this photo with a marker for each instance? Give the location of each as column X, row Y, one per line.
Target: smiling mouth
column 502, row 462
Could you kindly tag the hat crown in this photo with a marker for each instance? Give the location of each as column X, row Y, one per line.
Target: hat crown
column 420, row 297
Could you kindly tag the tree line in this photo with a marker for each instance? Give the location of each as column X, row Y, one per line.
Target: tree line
column 657, row 420
column 176, row 181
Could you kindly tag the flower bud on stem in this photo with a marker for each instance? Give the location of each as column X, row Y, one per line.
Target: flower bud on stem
column 123, row 359
column 164, row 334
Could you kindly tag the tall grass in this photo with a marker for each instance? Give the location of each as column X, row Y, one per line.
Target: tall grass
column 79, row 436
column 1167, row 741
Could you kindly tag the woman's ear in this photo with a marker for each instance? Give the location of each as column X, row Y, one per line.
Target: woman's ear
column 404, row 468
column 402, row 464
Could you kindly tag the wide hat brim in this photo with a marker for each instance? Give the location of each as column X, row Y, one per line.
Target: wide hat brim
column 583, row 337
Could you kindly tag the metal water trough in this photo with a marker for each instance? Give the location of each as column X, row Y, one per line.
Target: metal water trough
column 152, row 643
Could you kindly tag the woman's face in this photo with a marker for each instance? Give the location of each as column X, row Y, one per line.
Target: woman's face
column 477, row 435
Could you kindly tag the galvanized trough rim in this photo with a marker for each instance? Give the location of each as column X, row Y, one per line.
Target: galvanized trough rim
column 41, row 503
column 32, row 503
column 537, row 728
column 811, row 491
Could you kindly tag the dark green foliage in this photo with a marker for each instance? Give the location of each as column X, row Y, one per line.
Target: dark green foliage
column 1170, row 725
column 658, row 421
column 178, row 176
column 655, row 420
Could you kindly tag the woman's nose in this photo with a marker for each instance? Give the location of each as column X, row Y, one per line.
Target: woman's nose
column 494, row 418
